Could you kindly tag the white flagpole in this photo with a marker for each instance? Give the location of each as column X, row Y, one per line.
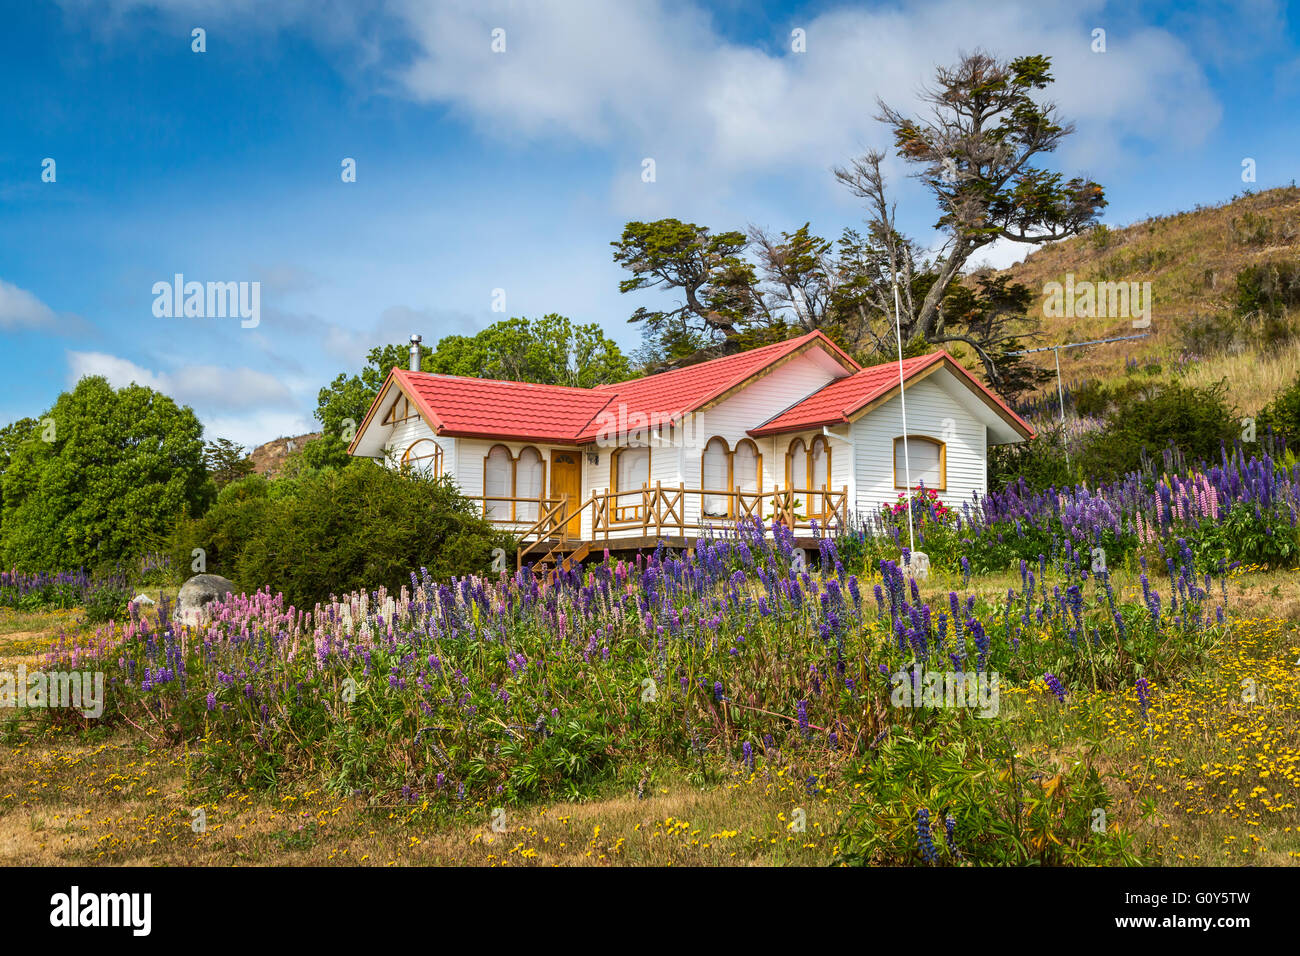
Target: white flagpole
column 902, row 401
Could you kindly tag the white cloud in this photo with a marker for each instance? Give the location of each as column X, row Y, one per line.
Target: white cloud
column 652, row 78
column 19, row 309
column 202, row 386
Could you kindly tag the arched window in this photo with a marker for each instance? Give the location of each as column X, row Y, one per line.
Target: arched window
column 747, row 468
column 796, row 465
column 423, row 456
column 530, row 481
column 928, row 461
column 630, row 470
column 715, row 473
column 819, row 476
column 498, row 483
column 819, row 463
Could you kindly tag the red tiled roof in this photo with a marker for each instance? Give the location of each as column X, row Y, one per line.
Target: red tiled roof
column 488, row 408
column 836, row 402
column 669, row 395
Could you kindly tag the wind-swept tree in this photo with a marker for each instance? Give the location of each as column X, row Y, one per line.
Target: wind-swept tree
column 975, row 155
column 716, row 282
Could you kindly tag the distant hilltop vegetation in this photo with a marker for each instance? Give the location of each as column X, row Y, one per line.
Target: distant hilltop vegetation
column 268, row 459
column 1223, row 279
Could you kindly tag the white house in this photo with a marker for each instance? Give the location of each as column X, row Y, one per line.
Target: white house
column 796, row 431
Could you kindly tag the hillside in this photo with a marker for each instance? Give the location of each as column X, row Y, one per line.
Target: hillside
column 270, row 457
column 1192, row 260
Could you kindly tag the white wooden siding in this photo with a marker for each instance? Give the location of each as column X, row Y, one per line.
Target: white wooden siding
column 933, row 412
column 761, row 400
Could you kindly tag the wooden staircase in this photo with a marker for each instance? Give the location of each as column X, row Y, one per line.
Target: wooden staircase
column 564, row 553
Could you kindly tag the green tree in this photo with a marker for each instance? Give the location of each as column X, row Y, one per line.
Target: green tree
column 103, row 480
column 226, row 461
column 716, row 282
column 11, row 436
column 549, row 351
column 975, row 155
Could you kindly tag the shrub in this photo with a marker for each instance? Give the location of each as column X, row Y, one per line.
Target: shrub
column 1003, row 810
column 1197, row 421
column 1269, row 288
column 1041, row 462
column 106, row 602
column 339, row 530
column 1282, row 415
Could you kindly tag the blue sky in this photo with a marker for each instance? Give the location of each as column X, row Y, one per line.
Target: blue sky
column 481, row 170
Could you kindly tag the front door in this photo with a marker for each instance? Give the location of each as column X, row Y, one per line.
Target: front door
column 566, row 483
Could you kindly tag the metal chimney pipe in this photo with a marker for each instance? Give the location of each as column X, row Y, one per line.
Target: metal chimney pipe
column 415, row 353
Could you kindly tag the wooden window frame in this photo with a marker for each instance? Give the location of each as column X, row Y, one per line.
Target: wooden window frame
column 511, row 458
column 619, row 509
column 390, row 418
column 789, row 462
column 728, row 451
column 758, row 465
column 943, row 461
column 514, row 480
column 436, row 455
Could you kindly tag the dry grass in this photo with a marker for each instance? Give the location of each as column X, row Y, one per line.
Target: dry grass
column 1251, row 379
column 1191, row 260
column 1191, row 784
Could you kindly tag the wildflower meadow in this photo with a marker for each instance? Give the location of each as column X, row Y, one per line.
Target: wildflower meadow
column 975, row 716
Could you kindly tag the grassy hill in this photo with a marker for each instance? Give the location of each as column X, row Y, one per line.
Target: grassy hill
column 1193, row 260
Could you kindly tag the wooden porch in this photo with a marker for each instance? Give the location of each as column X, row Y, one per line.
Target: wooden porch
column 550, row 530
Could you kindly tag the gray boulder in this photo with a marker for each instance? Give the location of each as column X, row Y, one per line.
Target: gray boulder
column 198, row 591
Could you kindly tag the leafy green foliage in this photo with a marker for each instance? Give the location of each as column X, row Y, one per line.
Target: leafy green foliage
column 1282, row 415
column 549, row 351
column 118, row 467
column 107, row 602
column 336, row 530
column 226, row 461
column 716, row 282
column 1041, row 462
column 1005, row 810
column 1197, row 421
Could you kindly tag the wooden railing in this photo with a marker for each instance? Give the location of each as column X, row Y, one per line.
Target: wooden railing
column 518, row 511
column 665, row 511
column 553, row 523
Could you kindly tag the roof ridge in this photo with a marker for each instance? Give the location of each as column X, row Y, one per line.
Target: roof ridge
column 786, row 343
column 498, row 381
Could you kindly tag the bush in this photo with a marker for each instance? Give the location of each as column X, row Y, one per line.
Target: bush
column 1197, row 421
column 339, row 530
column 1041, row 462
column 106, row 603
column 1269, row 288
column 1282, row 415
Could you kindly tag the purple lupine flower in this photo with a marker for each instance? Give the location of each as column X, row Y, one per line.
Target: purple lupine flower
column 1144, row 701
column 924, row 841
column 1055, row 686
